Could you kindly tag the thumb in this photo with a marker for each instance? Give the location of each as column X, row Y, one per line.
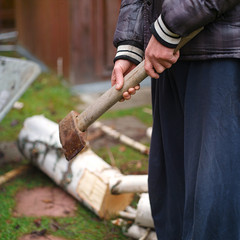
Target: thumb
column 119, row 78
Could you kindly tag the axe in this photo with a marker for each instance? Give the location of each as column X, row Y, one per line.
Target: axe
column 73, row 127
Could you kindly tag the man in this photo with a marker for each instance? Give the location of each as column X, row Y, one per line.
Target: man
column 194, row 163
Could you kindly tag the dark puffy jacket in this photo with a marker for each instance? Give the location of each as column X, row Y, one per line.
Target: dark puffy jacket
column 173, row 19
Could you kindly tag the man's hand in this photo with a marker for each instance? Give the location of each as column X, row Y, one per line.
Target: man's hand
column 122, row 68
column 158, row 58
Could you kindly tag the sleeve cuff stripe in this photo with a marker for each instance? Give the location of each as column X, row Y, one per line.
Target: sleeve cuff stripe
column 130, row 48
column 164, row 36
column 165, row 29
column 165, row 32
column 129, row 54
column 133, row 60
column 124, row 51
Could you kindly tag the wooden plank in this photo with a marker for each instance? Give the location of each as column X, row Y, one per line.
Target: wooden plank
column 44, row 28
column 92, row 48
column 13, row 173
column 81, row 44
column 77, row 33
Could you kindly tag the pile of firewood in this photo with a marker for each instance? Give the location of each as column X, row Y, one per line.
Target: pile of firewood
column 88, row 178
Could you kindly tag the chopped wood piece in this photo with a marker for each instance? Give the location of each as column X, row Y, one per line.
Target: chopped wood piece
column 86, row 177
column 129, row 184
column 138, row 232
column 122, row 138
column 13, row 173
column 144, row 237
column 144, row 215
column 127, row 215
column 149, row 132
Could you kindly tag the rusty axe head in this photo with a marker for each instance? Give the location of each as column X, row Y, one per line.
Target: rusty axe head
column 71, row 138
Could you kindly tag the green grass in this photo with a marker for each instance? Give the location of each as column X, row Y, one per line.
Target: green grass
column 125, row 158
column 136, row 112
column 10, row 54
column 129, row 161
column 84, row 225
column 45, row 96
column 48, row 96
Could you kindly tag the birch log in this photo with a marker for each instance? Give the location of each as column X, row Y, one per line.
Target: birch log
column 138, row 232
column 144, row 216
column 86, row 177
column 122, row 138
column 129, row 184
column 149, row 132
column 127, row 215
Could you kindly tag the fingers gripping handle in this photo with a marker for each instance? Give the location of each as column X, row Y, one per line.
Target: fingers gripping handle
column 110, row 97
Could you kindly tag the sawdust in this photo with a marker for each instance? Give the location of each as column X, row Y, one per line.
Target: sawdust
column 44, row 201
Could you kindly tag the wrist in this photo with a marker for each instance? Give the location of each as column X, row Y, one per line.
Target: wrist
column 129, row 51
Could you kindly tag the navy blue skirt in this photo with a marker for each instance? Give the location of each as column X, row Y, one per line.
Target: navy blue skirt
column 194, row 163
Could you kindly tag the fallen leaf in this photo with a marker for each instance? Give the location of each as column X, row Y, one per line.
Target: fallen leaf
column 17, row 227
column 122, row 148
column 47, row 201
column 54, row 225
column 37, row 222
column 139, row 164
column 14, row 123
column 39, row 233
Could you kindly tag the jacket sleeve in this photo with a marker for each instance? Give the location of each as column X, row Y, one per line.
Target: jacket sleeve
column 181, row 17
column 128, row 37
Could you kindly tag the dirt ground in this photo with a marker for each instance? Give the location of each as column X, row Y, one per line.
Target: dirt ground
column 37, row 236
column 53, row 201
column 44, row 201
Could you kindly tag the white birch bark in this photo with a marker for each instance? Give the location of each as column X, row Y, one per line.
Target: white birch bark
column 149, row 132
column 86, row 177
column 127, row 215
column 138, row 232
column 129, row 184
column 144, row 215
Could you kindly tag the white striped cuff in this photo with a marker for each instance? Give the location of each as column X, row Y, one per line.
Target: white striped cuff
column 129, row 52
column 164, row 35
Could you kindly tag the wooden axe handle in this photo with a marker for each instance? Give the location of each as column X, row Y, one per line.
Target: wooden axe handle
column 112, row 96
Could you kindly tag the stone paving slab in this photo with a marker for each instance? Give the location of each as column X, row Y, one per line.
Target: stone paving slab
column 15, row 77
column 44, row 201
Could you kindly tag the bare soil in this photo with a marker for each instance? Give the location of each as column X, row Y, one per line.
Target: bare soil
column 44, row 201
column 53, row 201
column 35, row 236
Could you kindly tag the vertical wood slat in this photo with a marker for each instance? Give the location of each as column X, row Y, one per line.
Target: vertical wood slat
column 95, row 61
column 112, row 11
column 106, row 18
column 7, row 15
column 80, row 32
column 81, row 47
column 43, row 28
